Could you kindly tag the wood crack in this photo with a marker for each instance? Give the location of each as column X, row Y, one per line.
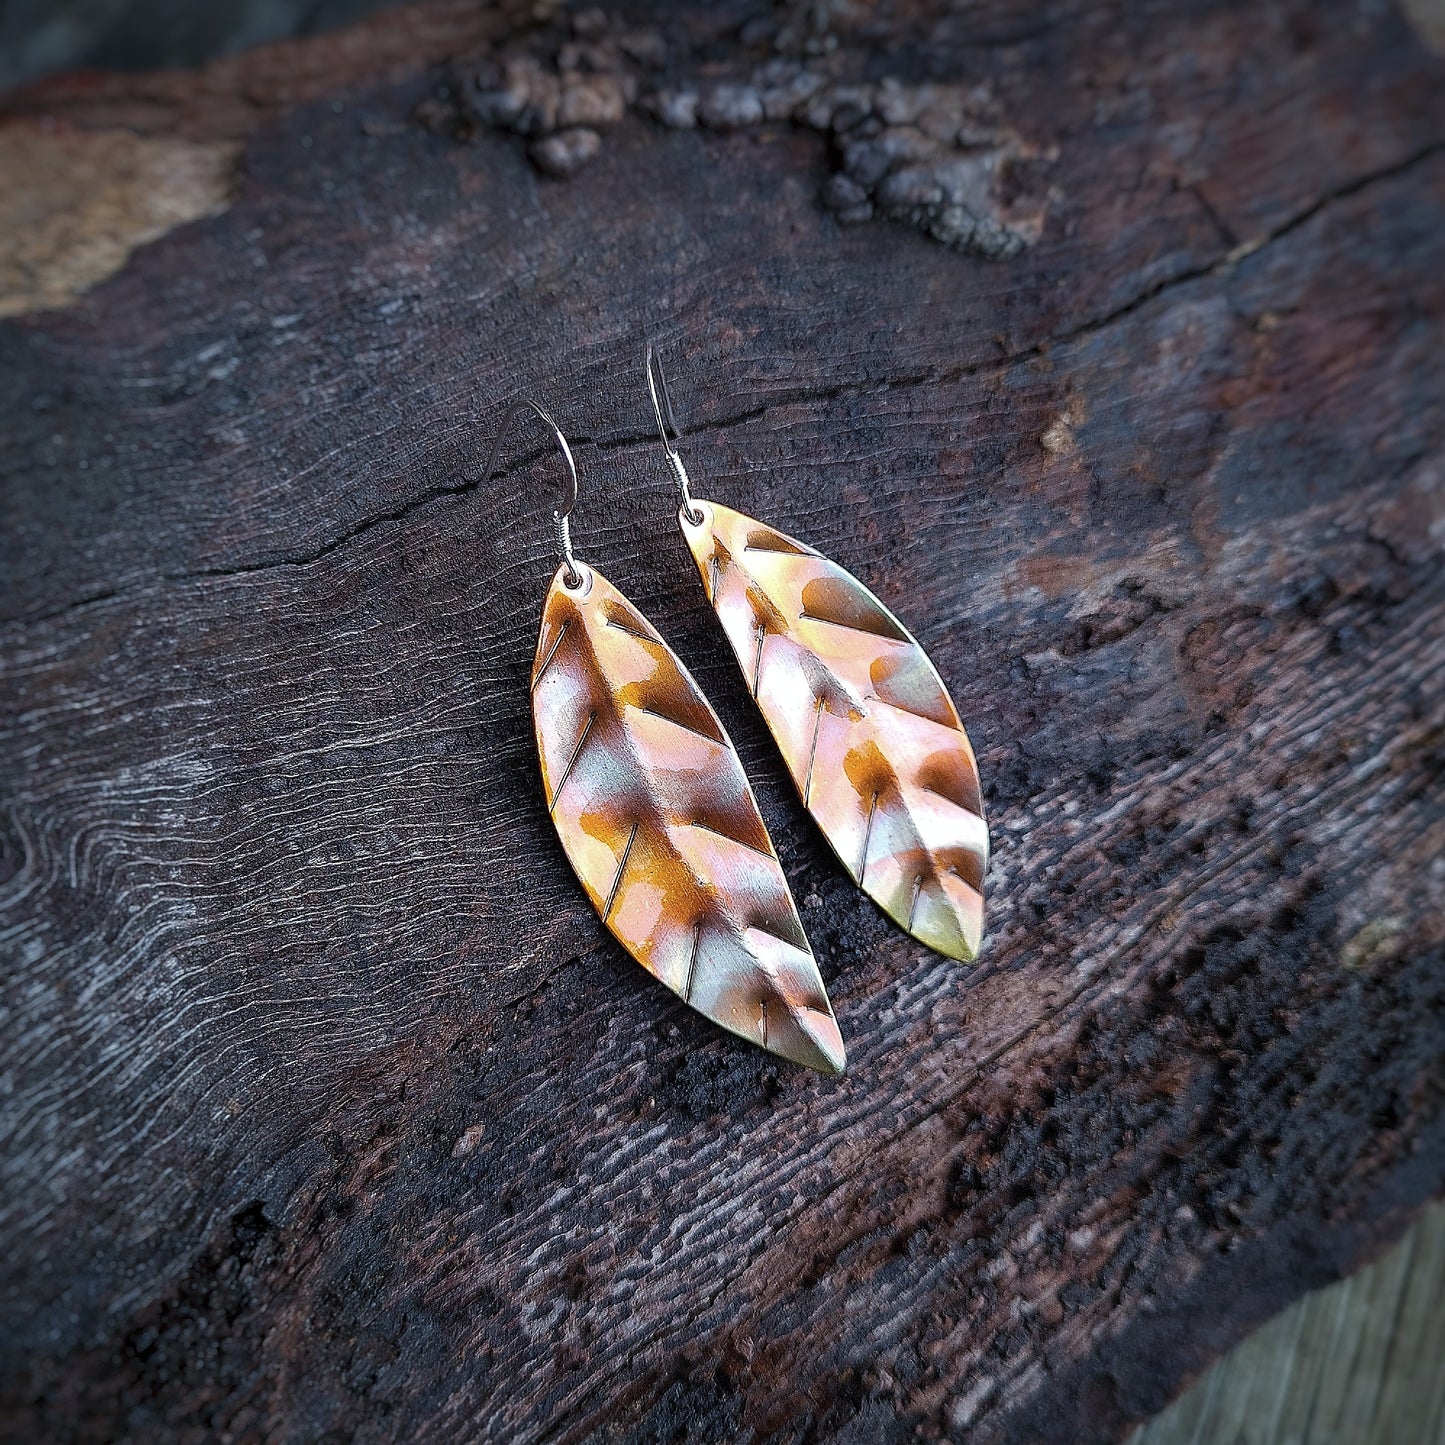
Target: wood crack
column 942, row 376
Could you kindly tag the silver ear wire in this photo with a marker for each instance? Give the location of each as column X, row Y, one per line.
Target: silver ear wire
column 562, row 512
column 656, row 384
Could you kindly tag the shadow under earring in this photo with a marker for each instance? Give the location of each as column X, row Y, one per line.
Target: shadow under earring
column 868, row 731
column 657, row 817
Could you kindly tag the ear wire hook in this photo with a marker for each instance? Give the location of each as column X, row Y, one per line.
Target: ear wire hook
column 562, row 513
column 669, row 443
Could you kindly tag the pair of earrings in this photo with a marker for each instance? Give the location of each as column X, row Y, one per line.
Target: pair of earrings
column 650, row 799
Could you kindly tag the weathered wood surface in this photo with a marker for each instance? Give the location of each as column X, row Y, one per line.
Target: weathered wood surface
column 1358, row 1360
column 331, row 1112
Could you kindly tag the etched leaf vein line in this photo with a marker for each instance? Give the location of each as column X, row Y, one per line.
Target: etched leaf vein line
column 853, row 627
column 621, row 869
column 910, row 712
column 572, row 761
column 867, row 834
column 718, row 833
column 813, row 750
column 773, row 933
column 617, row 626
column 551, row 654
column 692, row 962
column 653, row 712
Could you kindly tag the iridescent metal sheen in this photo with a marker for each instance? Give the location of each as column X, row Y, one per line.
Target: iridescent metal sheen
column 658, row 820
column 867, row 728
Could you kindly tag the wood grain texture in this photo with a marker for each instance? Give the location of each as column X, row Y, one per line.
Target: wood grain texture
column 1357, row 1361
column 329, row 1109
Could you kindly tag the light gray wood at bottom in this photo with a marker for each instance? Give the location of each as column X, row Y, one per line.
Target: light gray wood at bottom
column 1361, row 1362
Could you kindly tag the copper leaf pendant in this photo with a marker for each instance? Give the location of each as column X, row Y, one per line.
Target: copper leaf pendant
column 867, row 728
column 658, row 820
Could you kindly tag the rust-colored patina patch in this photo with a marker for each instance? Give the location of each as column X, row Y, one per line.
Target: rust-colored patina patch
column 868, row 730
column 657, row 818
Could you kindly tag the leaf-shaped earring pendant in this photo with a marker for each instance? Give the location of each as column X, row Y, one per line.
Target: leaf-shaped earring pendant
column 868, row 731
column 658, row 820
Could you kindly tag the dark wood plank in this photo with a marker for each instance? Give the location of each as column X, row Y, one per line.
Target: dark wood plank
column 331, row 1112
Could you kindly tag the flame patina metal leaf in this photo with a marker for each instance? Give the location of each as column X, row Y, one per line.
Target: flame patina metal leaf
column 867, row 728
column 658, row 820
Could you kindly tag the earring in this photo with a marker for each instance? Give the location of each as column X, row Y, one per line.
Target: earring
column 657, row 817
column 869, row 733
